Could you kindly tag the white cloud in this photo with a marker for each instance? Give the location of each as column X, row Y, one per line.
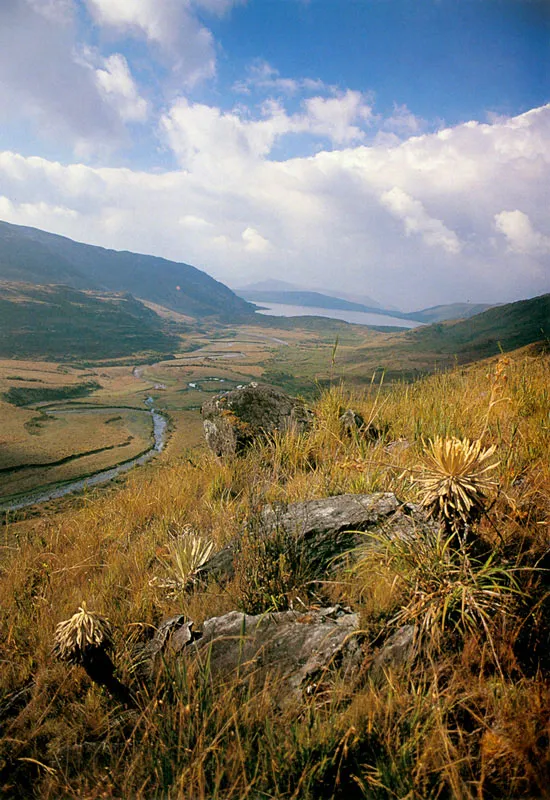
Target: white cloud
column 262, row 76
column 172, row 25
column 254, row 242
column 417, row 220
column 46, row 86
column 522, row 237
column 335, row 117
column 414, row 223
column 403, row 122
column 117, row 85
column 224, row 141
column 58, row 11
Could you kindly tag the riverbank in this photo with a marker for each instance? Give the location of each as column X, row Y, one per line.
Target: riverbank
column 55, row 491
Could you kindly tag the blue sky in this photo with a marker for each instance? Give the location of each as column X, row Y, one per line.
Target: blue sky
column 397, row 148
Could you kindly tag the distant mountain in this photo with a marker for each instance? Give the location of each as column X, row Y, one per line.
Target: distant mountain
column 65, row 324
column 34, row 256
column 452, row 311
column 504, row 327
column 362, row 299
column 273, row 285
column 311, row 300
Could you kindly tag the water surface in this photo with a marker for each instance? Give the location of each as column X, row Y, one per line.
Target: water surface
column 356, row 317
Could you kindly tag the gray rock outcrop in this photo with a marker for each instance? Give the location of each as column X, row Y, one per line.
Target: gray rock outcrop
column 397, row 651
column 297, row 649
column 353, row 424
column 233, row 420
column 328, row 527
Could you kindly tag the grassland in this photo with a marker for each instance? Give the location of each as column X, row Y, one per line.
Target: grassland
column 47, row 442
column 470, row 721
column 301, row 357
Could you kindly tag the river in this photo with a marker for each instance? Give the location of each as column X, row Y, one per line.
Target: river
column 60, row 490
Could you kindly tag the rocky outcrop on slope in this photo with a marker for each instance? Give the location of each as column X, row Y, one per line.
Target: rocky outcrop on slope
column 233, row 420
column 327, row 528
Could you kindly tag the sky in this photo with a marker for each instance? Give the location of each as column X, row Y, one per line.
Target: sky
column 393, row 148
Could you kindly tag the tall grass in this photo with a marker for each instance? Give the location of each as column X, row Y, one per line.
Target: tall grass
column 453, row 725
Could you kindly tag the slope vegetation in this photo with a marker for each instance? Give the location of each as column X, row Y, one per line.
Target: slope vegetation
column 504, row 327
column 61, row 323
column 467, row 718
column 34, row 256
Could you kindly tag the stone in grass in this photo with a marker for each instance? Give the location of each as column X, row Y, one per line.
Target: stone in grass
column 327, row 528
column 353, row 423
column 297, row 649
column 398, row 651
column 233, row 420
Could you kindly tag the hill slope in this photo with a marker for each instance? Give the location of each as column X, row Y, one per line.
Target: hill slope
column 447, row 312
column 499, row 329
column 34, row 256
column 260, row 293
column 504, row 327
column 62, row 323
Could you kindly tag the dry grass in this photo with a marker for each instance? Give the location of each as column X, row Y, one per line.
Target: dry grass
column 90, row 442
column 456, row 726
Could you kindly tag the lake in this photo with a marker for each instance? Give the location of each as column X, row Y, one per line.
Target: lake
column 357, row 317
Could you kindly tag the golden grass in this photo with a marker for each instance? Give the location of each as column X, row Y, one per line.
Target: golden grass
column 454, row 727
column 117, row 435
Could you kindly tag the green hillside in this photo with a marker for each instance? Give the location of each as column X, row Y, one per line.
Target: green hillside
column 504, row 328
column 34, row 256
column 62, row 323
column 447, row 312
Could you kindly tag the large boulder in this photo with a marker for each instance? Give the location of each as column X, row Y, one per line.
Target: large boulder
column 233, row 420
column 296, row 648
column 327, row 528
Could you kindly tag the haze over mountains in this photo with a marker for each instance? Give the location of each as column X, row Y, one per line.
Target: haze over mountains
column 65, row 300
column 34, row 256
column 275, row 291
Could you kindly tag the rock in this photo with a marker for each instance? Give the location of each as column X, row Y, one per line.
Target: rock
column 328, row 527
column 296, row 648
column 177, row 630
column 353, row 423
column 397, row 651
column 233, row 420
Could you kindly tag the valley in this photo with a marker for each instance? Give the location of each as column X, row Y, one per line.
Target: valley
column 43, row 443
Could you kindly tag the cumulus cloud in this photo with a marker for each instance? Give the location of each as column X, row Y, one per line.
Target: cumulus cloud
column 254, row 242
column 173, row 26
column 417, row 220
column 226, row 140
column 522, row 237
column 119, row 89
column 47, row 87
column 455, row 215
column 263, row 77
column 403, row 122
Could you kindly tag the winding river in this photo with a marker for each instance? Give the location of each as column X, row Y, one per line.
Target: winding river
column 60, row 490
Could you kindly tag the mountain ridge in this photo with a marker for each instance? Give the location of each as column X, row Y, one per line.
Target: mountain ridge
column 310, row 298
column 35, row 256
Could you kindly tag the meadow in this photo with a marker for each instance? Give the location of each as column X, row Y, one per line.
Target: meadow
column 469, row 719
column 36, row 433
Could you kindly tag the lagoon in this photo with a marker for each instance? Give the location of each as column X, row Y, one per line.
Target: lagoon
column 355, row 317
